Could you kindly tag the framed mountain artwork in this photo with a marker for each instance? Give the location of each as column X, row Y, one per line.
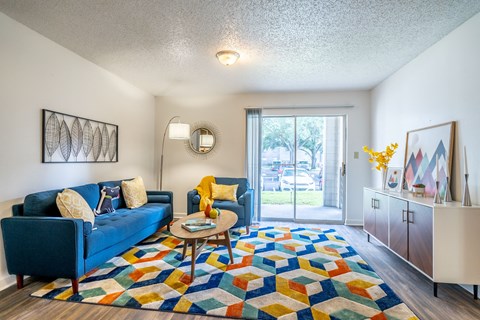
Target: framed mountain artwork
column 428, row 157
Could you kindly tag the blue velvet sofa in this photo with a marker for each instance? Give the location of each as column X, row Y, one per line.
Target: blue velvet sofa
column 38, row 241
column 243, row 207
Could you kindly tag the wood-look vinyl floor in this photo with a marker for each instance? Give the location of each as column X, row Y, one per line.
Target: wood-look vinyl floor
column 453, row 302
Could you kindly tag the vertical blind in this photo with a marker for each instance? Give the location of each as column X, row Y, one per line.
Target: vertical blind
column 254, row 154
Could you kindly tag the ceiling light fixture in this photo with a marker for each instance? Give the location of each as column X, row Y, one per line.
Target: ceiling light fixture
column 227, row 57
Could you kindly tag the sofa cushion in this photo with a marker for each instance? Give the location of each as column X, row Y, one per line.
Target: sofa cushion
column 232, row 206
column 44, row 203
column 243, row 185
column 109, row 195
column 120, row 202
column 135, row 193
column 224, row 192
column 72, row 205
column 112, row 228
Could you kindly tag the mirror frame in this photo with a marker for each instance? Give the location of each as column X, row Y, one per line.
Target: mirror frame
column 195, row 140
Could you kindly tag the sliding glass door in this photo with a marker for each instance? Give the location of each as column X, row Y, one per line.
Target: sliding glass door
column 302, row 175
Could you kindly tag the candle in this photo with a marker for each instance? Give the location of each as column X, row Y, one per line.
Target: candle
column 437, row 168
column 465, row 158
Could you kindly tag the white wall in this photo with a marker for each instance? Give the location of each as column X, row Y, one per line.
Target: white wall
column 37, row 73
column 182, row 171
column 440, row 85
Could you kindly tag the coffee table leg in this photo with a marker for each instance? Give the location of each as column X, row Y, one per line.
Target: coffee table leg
column 194, row 249
column 228, row 244
column 185, row 245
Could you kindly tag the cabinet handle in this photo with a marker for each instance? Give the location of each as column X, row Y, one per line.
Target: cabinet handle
column 410, row 214
column 372, row 205
column 403, row 215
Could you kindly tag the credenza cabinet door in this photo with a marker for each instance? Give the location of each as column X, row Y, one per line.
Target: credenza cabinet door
column 398, row 226
column 420, row 240
column 381, row 218
column 369, row 211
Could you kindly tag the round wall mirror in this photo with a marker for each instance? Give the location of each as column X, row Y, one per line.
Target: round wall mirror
column 202, row 140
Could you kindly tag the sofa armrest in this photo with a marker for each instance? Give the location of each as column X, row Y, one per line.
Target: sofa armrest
column 160, row 196
column 247, row 196
column 193, row 199
column 246, row 200
column 44, row 246
column 155, row 196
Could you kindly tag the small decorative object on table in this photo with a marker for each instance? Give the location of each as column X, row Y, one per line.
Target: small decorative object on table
column 437, row 199
column 207, row 210
column 394, row 179
column 448, row 193
column 214, row 213
column 382, row 158
column 418, row 190
column 466, row 201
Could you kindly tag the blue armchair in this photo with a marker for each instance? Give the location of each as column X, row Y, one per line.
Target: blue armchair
column 243, row 207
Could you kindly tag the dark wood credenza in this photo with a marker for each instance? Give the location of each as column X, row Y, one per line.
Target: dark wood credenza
column 439, row 240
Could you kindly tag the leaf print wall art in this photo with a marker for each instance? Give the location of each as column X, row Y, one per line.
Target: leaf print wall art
column 112, row 146
column 77, row 137
column 87, row 138
column 65, row 141
column 97, row 144
column 51, row 134
column 105, row 139
column 72, row 139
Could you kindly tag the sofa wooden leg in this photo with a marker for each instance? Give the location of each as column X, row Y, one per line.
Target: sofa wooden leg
column 19, row 281
column 168, row 226
column 248, row 229
column 75, row 286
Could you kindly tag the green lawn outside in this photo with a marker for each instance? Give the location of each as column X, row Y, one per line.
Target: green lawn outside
column 310, row 198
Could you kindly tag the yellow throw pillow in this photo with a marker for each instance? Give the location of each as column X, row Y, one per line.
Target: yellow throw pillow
column 224, row 192
column 134, row 193
column 72, row 205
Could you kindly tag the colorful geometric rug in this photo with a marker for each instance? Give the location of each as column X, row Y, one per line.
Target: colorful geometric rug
column 278, row 274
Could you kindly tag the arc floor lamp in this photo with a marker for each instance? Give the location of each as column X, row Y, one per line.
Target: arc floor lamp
column 176, row 131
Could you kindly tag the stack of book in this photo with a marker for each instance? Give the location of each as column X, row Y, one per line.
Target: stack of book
column 193, row 225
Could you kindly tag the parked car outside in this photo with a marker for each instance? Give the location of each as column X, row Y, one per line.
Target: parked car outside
column 316, row 175
column 304, row 164
column 276, row 165
column 302, row 181
column 283, row 167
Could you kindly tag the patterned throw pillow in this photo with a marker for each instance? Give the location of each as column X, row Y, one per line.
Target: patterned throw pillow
column 105, row 205
column 72, row 205
column 134, row 193
column 224, row 192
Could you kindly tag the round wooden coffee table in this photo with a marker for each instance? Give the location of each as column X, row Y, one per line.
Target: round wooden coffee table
column 199, row 239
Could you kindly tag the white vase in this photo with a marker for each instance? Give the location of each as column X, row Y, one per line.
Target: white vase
column 384, row 178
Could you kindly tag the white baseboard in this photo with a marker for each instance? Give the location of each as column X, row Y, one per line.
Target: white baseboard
column 178, row 215
column 469, row 288
column 353, row 222
column 7, row 281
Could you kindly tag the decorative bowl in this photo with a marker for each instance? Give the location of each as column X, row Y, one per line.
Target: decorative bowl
column 418, row 191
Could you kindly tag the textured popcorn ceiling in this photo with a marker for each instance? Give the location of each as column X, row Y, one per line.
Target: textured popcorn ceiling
column 168, row 47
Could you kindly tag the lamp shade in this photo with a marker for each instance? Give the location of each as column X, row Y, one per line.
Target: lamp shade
column 206, row 140
column 179, row 131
